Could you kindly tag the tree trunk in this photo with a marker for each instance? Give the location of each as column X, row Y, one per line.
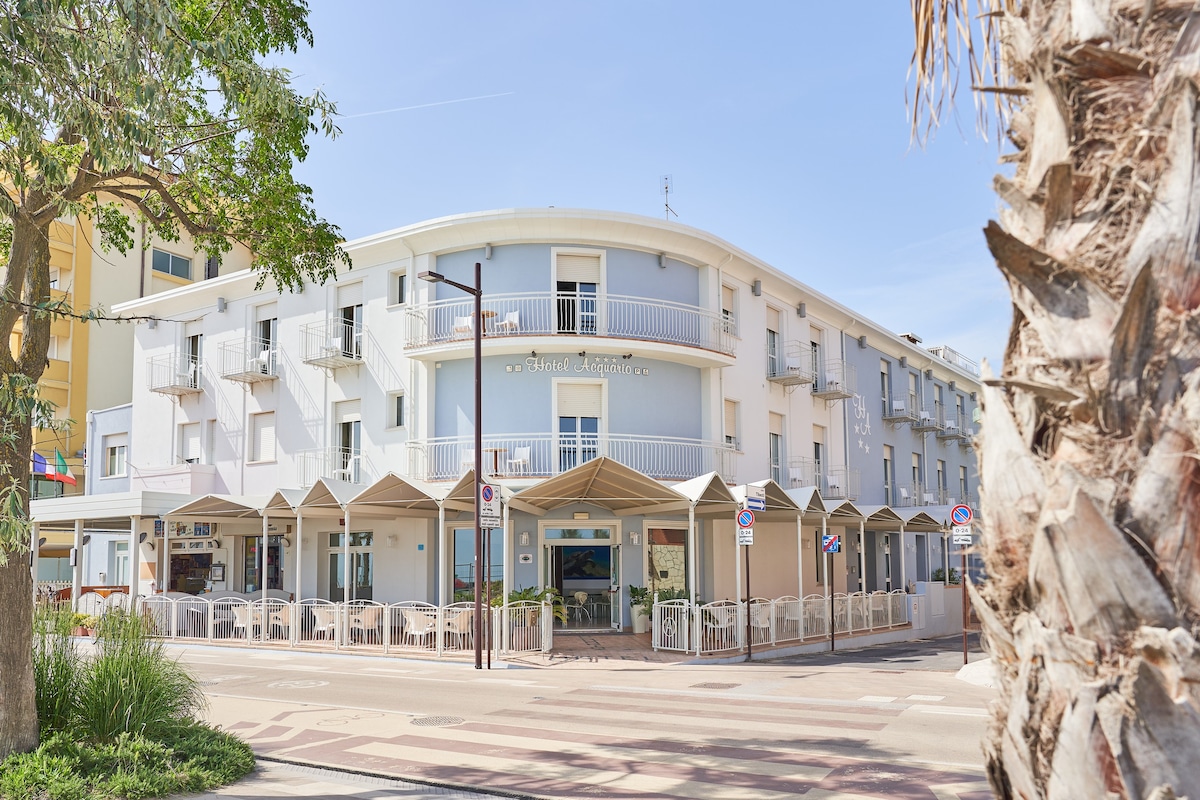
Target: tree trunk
column 27, row 279
column 1088, row 457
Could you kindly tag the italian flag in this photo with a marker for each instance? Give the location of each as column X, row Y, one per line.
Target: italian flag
column 59, row 471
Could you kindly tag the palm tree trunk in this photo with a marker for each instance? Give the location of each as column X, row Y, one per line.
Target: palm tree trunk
column 1090, row 480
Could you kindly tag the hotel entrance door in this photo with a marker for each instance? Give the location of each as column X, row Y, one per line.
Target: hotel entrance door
column 585, row 569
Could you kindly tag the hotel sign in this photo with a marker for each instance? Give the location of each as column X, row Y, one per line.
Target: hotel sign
column 588, row 365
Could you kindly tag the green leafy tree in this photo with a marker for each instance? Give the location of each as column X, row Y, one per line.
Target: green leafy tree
column 160, row 109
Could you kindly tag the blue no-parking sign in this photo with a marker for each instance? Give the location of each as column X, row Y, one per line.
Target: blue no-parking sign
column 961, row 515
column 745, row 518
column 831, row 543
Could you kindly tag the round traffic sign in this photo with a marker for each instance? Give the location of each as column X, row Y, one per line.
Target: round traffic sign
column 961, row 515
column 745, row 518
column 488, row 493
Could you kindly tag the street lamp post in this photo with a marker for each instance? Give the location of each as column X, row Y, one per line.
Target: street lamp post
column 477, row 327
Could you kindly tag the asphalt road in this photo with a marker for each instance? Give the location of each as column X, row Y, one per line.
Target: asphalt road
column 887, row 722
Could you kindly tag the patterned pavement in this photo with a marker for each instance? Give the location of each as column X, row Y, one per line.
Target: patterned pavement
column 604, row 734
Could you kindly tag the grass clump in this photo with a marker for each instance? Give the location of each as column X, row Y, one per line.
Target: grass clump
column 118, row 723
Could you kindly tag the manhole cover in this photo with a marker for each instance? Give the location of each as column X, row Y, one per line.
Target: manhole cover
column 715, row 685
column 438, row 722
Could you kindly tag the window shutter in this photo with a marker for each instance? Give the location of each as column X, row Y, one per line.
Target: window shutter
column 266, row 311
column 579, row 400
column 577, row 268
column 263, row 437
column 775, row 424
column 773, row 320
column 350, row 295
column 731, row 418
column 348, row 411
column 727, row 299
column 189, row 442
column 116, row 440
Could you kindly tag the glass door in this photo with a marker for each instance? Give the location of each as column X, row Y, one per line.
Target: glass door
column 616, row 604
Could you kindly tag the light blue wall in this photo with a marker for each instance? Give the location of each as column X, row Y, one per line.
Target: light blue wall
column 666, row 402
column 868, row 433
column 105, row 422
column 528, row 268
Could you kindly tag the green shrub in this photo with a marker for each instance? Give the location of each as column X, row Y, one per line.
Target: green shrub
column 131, row 685
column 188, row 758
column 58, row 667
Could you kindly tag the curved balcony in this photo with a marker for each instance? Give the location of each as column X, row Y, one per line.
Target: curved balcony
column 506, row 317
column 542, row 455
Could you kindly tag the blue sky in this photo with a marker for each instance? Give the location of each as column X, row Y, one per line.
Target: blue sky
column 783, row 126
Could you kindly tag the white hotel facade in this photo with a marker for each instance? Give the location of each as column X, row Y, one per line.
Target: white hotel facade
column 637, row 374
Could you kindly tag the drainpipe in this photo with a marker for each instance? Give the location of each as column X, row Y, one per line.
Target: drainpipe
column 299, row 555
column 443, row 583
column 142, row 271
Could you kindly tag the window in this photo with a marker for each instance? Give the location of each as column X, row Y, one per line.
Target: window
column 885, row 386
column 580, row 407
column 350, row 316
column 916, row 473
column 731, row 415
column 189, row 443
column 914, row 393
column 193, row 353
column 54, row 279
column 775, row 446
column 773, row 363
column 396, row 410
column 115, row 448
column 888, row 461
column 262, row 436
column 577, row 276
column 171, row 264
column 962, row 485
column 729, row 309
column 362, row 566
column 399, row 288
column 348, row 440
column 941, row 480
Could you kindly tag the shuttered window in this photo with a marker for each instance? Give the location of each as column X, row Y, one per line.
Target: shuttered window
column 775, row 424
column 731, row 408
column 266, row 311
column 189, row 442
column 350, row 295
column 579, row 400
column 577, row 268
column 727, row 300
column 773, row 319
column 348, row 411
column 262, row 437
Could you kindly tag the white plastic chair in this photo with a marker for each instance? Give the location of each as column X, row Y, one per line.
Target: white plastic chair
column 464, row 325
column 419, row 625
column 579, row 608
column 904, row 498
column 511, row 322
column 519, row 463
column 796, row 476
column 467, row 459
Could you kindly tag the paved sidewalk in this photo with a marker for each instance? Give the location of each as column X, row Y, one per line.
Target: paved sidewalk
column 272, row 779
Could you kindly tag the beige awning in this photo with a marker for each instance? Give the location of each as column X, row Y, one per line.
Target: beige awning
column 779, row 505
column 221, row 506
column 284, row 502
column 605, row 483
column 808, row 499
column 881, row 515
column 845, row 512
column 401, row 496
column 709, row 494
column 329, row 497
column 919, row 519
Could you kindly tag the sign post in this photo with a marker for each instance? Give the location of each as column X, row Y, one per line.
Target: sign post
column 745, row 538
column 830, row 543
column 961, row 516
column 489, row 517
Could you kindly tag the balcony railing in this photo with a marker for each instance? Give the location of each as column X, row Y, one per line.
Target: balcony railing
column 951, row 428
column 955, row 358
column 338, row 463
column 569, row 313
column 542, row 455
column 928, row 418
column 837, row 380
column 174, row 374
column 332, row 344
column 834, row 483
column 917, row 495
column 249, row 361
column 794, row 367
column 899, row 410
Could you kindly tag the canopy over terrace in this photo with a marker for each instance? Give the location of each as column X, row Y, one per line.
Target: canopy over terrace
column 116, row 512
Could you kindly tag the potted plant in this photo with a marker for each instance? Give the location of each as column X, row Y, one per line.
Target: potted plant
column 641, row 603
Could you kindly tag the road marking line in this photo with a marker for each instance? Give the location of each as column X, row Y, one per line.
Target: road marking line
column 388, row 670
column 774, row 698
column 876, row 698
column 952, row 711
column 309, row 704
column 928, row 698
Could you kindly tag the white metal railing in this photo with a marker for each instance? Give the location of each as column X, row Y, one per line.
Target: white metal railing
column 835, row 380
column 406, row 627
column 928, row 418
column 834, row 483
column 900, row 409
column 546, row 454
column 794, row 366
column 955, row 358
column 248, row 361
column 174, row 373
column 721, row 626
column 569, row 313
column 338, row 463
column 331, row 343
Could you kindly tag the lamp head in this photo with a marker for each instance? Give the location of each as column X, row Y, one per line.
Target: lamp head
column 432, row 277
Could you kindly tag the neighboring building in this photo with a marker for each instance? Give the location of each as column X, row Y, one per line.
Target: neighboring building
column 90, row 365
column 337, row 424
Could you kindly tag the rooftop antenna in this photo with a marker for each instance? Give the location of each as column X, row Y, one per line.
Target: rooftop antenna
column 664, row 182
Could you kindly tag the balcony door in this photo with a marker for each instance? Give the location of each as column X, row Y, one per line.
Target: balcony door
column 362, row 567
column 350, row 315
column 580, row 411
column 347, row 454
column 577, row 282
